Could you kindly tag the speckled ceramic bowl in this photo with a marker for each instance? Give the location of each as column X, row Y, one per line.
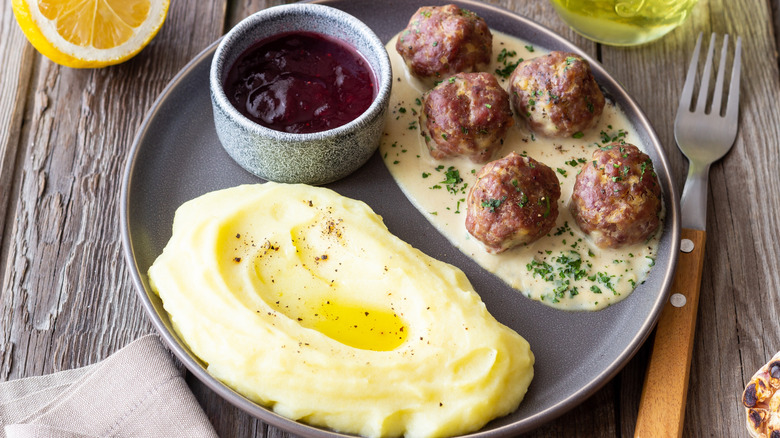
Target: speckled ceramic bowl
column 314, row 158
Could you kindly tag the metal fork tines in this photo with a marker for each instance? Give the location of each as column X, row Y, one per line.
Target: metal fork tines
column 705, row 133
column 703, row 136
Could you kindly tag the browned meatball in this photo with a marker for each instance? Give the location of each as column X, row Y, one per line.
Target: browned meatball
column 556, row 94
column 467, row 114
column 617, row 198
column 444, row 40
column 514, row 202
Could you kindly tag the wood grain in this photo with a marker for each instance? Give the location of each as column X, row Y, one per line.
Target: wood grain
column 16, row 63
column 67, row 301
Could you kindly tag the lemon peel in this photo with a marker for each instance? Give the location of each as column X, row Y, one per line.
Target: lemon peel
column 90, row 33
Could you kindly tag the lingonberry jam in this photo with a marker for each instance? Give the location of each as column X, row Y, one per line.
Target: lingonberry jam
column 301, row 82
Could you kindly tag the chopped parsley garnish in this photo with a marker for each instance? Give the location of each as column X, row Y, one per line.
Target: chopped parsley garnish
column 504, row 54
column 613, row 137
column 543, row 269
column 492, row 204
column 563, row 230
column 644, row 166
column 546, row 201
column 523, row 200
column 605, row 280
column 508, row 66
column 570, row 266
column 565, row 268
column 452, row 180
column 457, row 206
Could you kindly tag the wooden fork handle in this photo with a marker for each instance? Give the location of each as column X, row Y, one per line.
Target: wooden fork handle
column 662, row 406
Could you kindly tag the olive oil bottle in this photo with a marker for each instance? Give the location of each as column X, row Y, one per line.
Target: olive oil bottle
column 623, row 22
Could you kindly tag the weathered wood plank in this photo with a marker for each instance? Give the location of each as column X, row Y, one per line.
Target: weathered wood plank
column 237, row 11
column 67, row 300
column 16, row 65
column 742, row 317
column 775, row 6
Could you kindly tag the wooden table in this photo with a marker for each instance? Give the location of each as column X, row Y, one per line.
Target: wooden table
column 67, row 300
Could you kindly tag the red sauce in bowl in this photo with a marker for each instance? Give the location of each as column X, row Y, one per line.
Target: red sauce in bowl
column 301, row 82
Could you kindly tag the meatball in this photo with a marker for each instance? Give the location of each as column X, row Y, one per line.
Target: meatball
column 467, row 114
column 513, row 202
column 556, row 94
column 444, row 40
column 617, row 197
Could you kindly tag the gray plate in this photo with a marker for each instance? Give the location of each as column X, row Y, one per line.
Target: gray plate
column 176, row 157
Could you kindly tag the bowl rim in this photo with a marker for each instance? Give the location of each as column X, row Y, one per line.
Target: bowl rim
column 194, row 365
column 383, row 74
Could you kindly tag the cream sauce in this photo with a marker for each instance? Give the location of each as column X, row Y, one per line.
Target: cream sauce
column 563, row 269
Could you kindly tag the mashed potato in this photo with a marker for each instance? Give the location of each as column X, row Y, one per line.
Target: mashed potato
column 303, row 301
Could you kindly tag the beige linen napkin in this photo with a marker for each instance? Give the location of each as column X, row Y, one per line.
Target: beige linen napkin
column 136, row 392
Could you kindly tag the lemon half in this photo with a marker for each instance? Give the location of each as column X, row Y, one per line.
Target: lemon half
column 90, row 33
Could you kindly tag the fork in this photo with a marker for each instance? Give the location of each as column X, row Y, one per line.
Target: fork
column 703, row 136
